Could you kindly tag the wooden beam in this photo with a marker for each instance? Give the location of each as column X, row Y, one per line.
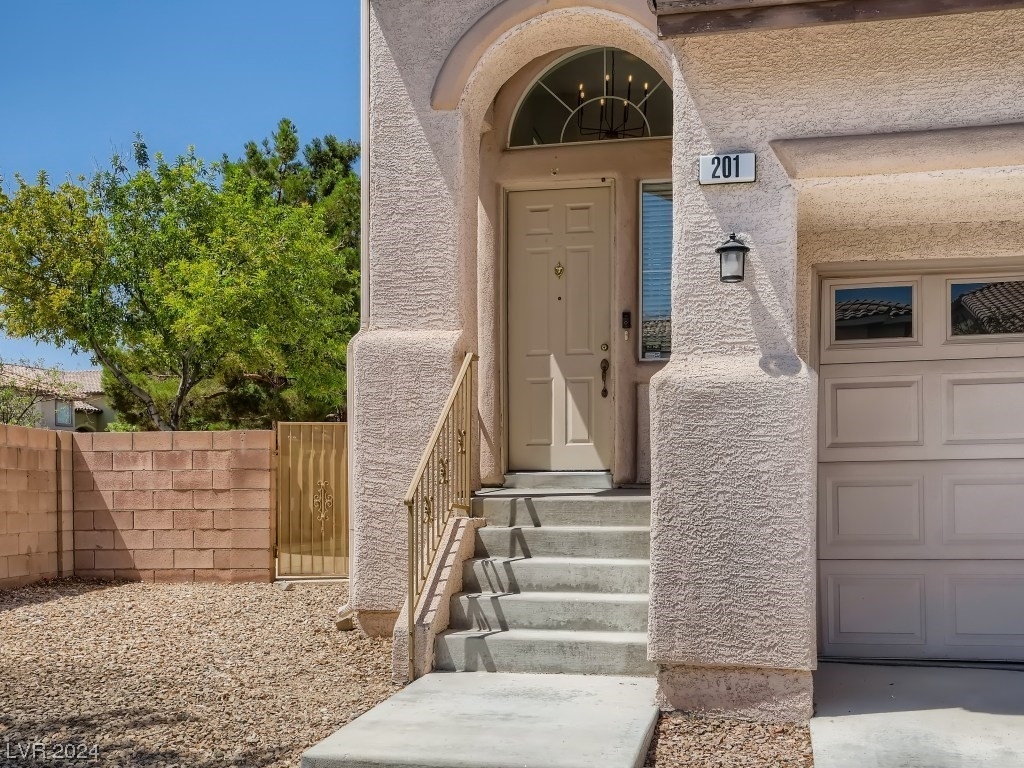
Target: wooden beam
column 791, row 15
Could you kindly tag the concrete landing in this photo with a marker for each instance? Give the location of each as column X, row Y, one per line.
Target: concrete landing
column 492, row 720
column 869, row 716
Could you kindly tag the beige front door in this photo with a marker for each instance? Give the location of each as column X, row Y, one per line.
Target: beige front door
column 559, row 329
column 921, row 474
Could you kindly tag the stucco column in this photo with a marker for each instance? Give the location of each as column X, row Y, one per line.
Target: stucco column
column 732, row 440
column 421, row 286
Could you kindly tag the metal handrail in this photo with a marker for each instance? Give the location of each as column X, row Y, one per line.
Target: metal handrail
column 442, row 484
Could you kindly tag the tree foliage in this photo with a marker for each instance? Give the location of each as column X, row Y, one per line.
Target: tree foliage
column 180, row 277
column 322, row 178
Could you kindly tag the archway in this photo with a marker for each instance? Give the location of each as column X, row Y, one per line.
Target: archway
column 505, row 71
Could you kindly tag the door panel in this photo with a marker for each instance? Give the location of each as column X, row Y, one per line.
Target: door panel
column 559, row 316
column 924, row 609
column 929, row 410
column 921, row 510
column 921, row 467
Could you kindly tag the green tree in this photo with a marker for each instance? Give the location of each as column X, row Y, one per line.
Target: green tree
column 323, row 177
column 173, row 274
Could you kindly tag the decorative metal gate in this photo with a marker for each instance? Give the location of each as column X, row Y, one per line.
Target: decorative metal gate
column 312, row 500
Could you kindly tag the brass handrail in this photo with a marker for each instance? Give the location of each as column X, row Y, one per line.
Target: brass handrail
column 442, row 484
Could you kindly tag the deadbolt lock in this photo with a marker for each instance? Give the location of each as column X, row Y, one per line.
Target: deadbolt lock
column 604, row 347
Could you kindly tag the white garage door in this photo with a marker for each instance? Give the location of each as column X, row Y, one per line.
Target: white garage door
column 921, row 467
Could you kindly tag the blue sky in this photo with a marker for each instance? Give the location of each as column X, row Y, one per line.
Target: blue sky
column 78, row 79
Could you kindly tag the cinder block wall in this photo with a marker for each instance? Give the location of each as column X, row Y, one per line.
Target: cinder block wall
column 35, row 485
column 181, row 506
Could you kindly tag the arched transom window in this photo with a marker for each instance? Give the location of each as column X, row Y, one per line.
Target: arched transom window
column 598, row 94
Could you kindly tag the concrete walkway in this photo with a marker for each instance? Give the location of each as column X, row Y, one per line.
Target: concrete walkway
column 494, row 720
column 870, row 716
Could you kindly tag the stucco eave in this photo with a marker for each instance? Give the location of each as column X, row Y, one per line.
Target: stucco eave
column 987, row 146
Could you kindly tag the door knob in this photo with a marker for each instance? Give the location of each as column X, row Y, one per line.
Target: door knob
column 604, row 377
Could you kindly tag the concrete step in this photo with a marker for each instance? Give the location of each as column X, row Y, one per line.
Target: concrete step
column 615, row 508
column 550, row 610
column 549, row 480
column 543, row 651
column 567, row 541
column 556, row 574
column 499, row 721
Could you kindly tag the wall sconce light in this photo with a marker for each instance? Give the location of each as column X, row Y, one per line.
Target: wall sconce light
column 733, row 257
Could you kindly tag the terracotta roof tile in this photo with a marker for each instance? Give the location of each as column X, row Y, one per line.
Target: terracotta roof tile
column 83, row 383
column 858, row 308
column 1004, row 301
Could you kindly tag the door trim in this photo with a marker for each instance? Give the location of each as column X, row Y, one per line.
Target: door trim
column 535, row 186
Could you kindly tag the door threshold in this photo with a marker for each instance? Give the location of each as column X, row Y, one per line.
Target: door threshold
column 583, row 481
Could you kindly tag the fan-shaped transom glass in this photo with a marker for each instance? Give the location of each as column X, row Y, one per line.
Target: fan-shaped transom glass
column 598, row 94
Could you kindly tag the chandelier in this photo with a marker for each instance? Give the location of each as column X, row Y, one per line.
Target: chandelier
column 612, row 112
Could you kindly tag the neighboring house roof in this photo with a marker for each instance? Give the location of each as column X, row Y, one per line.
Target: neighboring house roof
column 864, row 308
column 81, row 383
column 996, row 301
column 83, row 407
column 87, row 382
column 657, row 333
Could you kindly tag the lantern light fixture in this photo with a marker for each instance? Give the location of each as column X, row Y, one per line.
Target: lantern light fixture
column 732, row 256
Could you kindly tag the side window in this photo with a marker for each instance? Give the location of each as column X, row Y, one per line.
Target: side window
column 980, row 307
column 64, row 414
column 871, row 313
column 655, row 270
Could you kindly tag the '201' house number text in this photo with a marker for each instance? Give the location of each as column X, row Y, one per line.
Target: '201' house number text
column 733, row 168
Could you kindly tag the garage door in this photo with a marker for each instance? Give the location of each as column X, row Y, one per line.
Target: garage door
column 921, row 467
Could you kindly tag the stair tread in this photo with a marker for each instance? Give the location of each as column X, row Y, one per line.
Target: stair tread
column 574, row 528
column 557, row 635
column 610, row 597
column 549, row 559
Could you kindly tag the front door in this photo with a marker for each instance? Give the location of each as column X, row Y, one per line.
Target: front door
column 559, row 329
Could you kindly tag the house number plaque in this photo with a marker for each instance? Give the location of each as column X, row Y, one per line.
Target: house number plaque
column 733, row 168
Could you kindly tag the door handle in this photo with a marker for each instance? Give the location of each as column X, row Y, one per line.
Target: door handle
column 604, row 377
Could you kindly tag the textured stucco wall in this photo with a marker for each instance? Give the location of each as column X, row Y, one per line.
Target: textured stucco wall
column 733, row 414
column 420, row 281
column 423, row 262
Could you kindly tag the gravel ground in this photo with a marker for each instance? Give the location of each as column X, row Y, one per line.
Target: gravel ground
column 188, row 675
column 689, row 741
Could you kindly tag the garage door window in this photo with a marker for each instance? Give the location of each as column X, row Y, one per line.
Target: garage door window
column 882, row 312
column 986, row 307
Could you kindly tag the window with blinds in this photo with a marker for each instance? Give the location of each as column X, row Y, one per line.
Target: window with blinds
column 64, row 413
column 655, row 270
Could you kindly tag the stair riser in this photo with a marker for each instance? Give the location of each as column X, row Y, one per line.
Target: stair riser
column 562, row 542
column 534, row 576
column 460, row 654
column 555, row 511
column 492, row 612
column 559, row 480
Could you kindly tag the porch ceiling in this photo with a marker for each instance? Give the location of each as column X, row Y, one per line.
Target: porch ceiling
column 678, row 18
